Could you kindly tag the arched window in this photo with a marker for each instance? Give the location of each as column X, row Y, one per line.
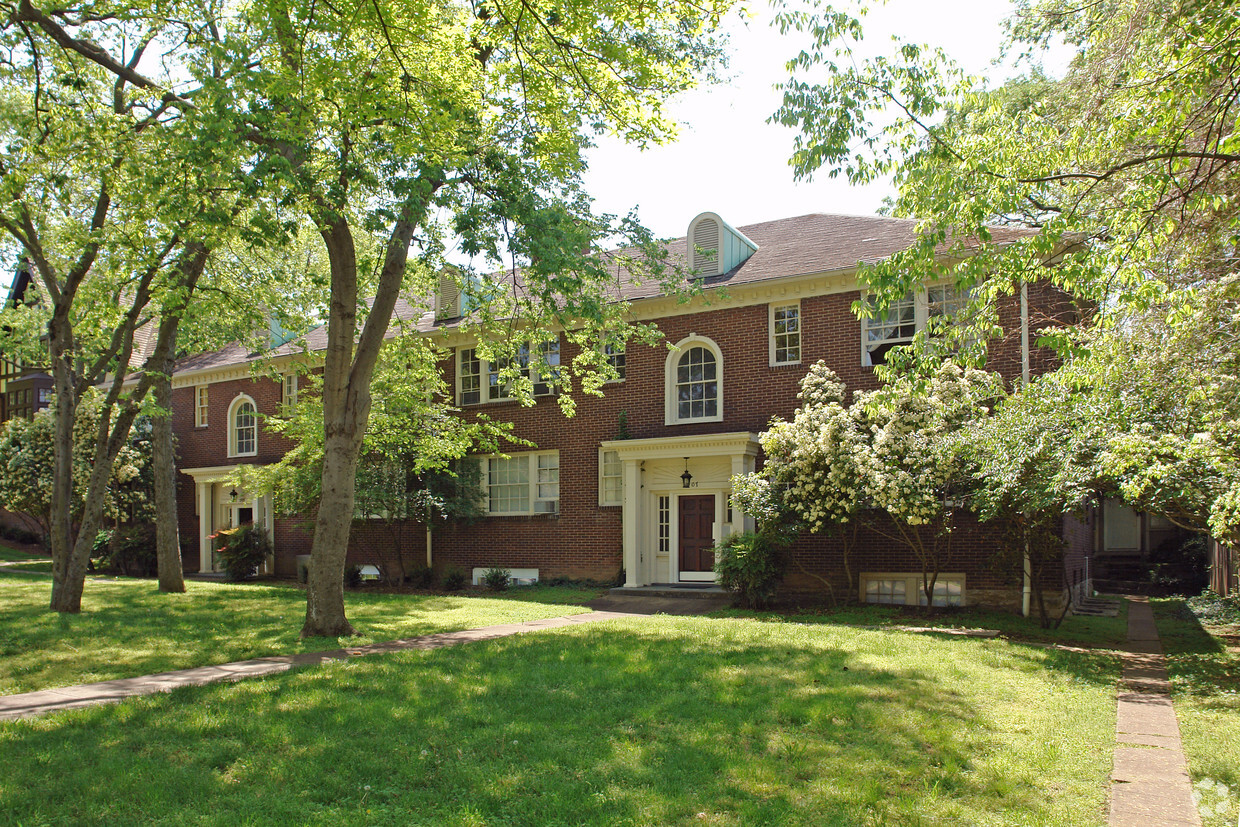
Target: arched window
column 695, row 382
column 242, row 428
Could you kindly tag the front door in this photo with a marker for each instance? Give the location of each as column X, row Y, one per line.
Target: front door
column 696, row 537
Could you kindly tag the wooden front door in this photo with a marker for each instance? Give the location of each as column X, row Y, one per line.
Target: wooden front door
column 697, row 518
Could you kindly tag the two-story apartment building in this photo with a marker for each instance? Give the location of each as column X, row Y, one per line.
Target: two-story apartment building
column 648, row 498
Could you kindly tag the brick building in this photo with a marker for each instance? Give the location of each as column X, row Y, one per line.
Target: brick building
column 586, row 502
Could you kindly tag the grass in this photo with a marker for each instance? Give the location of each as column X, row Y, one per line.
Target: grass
column 8, row 554
column 1203, row 662
column 646, row 721
column 1082, row 630
column 128, row 628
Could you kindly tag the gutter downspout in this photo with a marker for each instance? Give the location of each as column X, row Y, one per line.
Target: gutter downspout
column 1027, row 590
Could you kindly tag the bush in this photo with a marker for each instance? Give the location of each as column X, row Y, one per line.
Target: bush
column 750, row 565
column 1181, row 565
column 20, row 535
column 455, row 580
column 129, row 550
column 352, row 576
column 244, row 549
column 422, row 578
column 497, row 580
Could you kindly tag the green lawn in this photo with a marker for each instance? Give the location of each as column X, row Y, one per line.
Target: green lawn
column 1096, row 632
column 128, row 628
column 10, row 554
column 1205, row 674
column 647, row 721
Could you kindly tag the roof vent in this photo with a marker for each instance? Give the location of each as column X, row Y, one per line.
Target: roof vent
column 448, row 299
column 715, row 247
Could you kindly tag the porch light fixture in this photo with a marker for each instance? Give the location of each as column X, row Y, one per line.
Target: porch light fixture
column 686, row 477
column 232, row 495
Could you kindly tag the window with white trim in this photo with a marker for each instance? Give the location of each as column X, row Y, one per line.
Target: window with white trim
column 200, row 406
column 242, row 428
column 665, row 525
column 880, row 332
column 522, row 483
column 616, row 358
column 473, row 372
column 784, row 324
column 694, row 382
column 288, row 391
column 610, row 478
column 906, row 589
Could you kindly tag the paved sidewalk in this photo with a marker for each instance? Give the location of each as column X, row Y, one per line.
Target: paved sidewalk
column 1150, row 786
column 29, row 704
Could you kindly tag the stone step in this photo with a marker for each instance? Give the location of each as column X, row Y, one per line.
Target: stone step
column 692, row 591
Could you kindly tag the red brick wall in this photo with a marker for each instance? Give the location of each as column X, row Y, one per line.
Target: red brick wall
column 584, row 540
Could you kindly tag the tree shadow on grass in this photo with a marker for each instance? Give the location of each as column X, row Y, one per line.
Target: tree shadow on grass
column 656, row 724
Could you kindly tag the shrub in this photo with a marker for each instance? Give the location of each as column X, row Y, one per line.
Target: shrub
column 454, row 580
column 352, row 576
column 129, row 550
column 244, row 549
column 750, row 565
column 497, row 580
column 1181, row 565
column 20, row 535
column 422, row 578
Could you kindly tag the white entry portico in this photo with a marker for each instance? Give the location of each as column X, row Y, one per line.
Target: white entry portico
column 667, row 477
column 220, row 504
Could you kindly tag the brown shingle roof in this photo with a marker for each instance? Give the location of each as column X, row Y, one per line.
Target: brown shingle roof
column 787, row 247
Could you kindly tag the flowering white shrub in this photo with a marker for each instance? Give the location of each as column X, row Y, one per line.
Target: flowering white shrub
column 892, row 449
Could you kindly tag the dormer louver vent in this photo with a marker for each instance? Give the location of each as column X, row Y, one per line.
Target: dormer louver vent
column 448, row 299
column 715, row 247
column 706, row 246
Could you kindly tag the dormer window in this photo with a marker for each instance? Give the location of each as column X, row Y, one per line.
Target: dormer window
column 715, row 247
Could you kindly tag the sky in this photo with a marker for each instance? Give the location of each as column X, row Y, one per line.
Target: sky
column 728, row 160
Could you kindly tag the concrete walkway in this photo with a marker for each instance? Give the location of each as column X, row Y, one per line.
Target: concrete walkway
column 44, row 701
column 1150, row 786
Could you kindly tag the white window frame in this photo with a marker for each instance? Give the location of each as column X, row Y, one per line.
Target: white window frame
column 288, row 390
column 233, row 409
column 921, row 315
column 617, row 357
column 603, row 477
column 670, row 408
column 771, row 334
column 201, row 399
column 489, row 375
column 537, row 499
column 913, row 593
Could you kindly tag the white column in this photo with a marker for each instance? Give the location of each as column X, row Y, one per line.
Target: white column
column 206, row 510
column 742, row 464
column 632, row 524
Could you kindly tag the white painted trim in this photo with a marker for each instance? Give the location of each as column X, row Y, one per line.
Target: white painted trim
column 672, row 447
column 239, row 400
column 669, row 379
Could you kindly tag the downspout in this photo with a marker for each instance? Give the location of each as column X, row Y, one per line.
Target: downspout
column 1027, row 591
column 428, row 537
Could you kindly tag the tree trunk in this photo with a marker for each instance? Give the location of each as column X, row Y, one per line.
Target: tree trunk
column 325, row 614
column 67, row 583
column 346, row 404
column 167, row 537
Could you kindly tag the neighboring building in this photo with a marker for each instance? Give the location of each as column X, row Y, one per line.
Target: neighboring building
column 24, row 389
column 586, row 503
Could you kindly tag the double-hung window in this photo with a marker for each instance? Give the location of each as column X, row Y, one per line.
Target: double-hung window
column 883, row 330
column 522, row 483
column 288, row 392
column 481, row 380
column 610, row 478
column 616, row 358
column 200, row 406
column 785, row 333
